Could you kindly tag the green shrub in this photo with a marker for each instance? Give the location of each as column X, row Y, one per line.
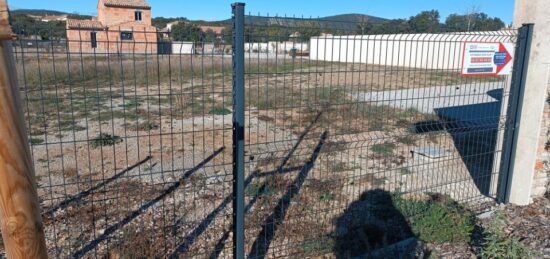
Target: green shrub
column 36, row 141
column 260, row 189
column 322, row 246
column 105, row 140
column 384, row 149
column 326, row 197
column 498, row 245
column 132, row 103
column 147, row 126
column 438, row 219
column 219, row 111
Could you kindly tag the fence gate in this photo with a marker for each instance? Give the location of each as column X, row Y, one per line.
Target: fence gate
column 264, row 140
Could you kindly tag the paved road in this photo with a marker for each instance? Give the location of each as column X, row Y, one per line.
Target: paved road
column 430, row 99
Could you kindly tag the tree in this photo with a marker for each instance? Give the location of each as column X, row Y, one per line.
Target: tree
column 471, row 17
column 364, row 26
column 392, row 27
column 210, row 36
column 473, row 22
column 426, row 21
column 307, row 29
column 24, row 25
column 186, row 32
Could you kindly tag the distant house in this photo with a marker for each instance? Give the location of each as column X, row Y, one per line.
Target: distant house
column 121, row 26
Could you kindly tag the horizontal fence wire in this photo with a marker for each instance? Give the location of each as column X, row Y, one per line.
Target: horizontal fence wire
column 131, row 134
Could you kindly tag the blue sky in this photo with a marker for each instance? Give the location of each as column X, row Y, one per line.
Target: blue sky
column 220, row 9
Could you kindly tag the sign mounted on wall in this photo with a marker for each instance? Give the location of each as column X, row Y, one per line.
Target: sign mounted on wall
column 487, row 58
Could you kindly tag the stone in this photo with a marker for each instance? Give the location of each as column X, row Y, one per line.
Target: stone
column 431, row 152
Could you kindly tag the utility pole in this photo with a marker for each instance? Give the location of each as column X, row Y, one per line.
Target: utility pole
column 21, row 222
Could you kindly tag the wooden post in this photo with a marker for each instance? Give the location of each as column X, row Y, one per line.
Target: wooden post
column 20, row 219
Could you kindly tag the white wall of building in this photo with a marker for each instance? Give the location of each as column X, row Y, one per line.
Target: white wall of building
column 256, row 47
column 429, row 51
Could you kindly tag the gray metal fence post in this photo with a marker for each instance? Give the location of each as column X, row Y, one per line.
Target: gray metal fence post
column 238, row 130
column 515, row 105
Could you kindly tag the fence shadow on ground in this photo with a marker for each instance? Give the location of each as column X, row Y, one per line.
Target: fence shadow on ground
column 134, row 214
column 203, row 225
column 77, row 198
column 474, row 130
column 271, row 224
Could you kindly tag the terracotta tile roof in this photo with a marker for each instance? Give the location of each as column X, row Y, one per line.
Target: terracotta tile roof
column 127, row 3
column 84, row 24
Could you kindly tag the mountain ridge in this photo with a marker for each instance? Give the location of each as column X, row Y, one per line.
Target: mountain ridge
column 329, row 21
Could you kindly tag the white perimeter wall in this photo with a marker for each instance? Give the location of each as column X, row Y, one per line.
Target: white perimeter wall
column 429, row 51
column 183, row 47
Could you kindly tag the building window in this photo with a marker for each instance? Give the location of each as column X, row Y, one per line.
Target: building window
column 137, row 15
column 126, row 35
column 93, row 39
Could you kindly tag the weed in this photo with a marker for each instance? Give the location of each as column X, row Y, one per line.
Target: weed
column 36, row 141
column 326, row 197
column 384, row 149
column 147, row 126
column 219, row 111
column 105, row 140
column 316, row 246
column 438, row 219
column 132, row 103
column 42, row 160
column 498, row 245
column 337, row 166
column 260, row 189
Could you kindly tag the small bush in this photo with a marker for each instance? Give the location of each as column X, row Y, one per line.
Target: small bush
column 220, row 111
column 132, row 103
column 326, row 197
column 36, row 141
column 105, row 140
column 316, row 246
column 147, row 126
column 438, row 219
column 384, row 149
column 498, row 245
column 260, row 189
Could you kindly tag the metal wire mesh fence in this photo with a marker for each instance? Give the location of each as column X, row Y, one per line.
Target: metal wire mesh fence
column 131, row 136
column 129, row 141
column 336, row 121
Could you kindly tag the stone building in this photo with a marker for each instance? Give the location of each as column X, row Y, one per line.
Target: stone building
column 121, row 26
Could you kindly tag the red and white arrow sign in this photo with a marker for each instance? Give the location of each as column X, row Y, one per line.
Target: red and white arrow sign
column 487, row 58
